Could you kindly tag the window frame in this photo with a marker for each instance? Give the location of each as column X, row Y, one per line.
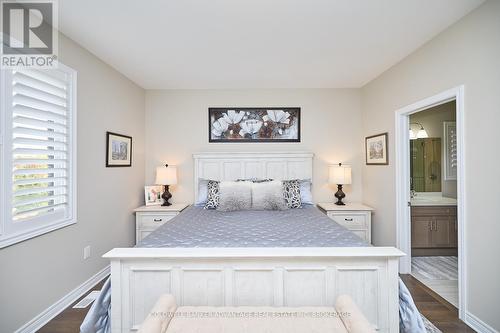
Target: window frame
column 8, row 237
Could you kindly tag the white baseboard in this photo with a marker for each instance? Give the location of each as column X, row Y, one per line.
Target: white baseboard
column 477, row 324
column 48, row 314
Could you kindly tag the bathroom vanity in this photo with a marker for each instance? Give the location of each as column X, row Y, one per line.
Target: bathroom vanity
column 433, row 225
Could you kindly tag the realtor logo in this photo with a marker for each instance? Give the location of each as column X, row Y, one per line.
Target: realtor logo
column 29, row 33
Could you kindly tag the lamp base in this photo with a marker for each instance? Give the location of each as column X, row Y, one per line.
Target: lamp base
column 166, row 196
column 339, row 195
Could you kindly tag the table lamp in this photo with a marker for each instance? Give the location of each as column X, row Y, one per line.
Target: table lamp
column 166, row 176
column 340, row 175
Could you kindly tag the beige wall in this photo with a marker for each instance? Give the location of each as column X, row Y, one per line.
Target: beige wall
column 432, row 120
column 467, row 53
column 38, row 272
column 177, row 126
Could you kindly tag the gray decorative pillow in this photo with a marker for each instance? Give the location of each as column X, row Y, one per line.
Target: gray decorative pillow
column 213, row 195
column 235, row 196
column 291, row 193
column 268, row 196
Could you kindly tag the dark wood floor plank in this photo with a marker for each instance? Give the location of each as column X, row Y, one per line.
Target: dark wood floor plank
column 434, row 307
column 70, row 319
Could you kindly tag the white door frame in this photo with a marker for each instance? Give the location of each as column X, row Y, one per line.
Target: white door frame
column 402, row 139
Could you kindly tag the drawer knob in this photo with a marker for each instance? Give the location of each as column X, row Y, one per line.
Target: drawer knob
column 348, row 219
column 157, row 220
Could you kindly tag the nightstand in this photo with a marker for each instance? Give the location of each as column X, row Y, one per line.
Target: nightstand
column 148, row 218
column 354, row 216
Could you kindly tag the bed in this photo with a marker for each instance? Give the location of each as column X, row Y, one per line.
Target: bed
column 297, row 257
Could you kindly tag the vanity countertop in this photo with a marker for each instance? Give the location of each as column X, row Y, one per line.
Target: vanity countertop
column 432, row 199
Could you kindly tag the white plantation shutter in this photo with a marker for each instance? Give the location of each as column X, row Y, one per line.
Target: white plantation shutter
column 39, row 145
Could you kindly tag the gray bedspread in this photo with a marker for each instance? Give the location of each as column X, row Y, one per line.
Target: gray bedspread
column 304, row 227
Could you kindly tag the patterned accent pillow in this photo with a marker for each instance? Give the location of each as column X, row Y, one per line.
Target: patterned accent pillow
column 213, row 194
column 291, row 193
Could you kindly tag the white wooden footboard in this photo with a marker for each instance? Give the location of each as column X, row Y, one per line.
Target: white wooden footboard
column 254, row 276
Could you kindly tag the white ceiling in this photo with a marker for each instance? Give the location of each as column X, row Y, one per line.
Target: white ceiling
column 173, row 44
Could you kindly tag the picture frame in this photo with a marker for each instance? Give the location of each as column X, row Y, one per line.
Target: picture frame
column 253, row 124
column 118, row 150
column 376, row 149
column 152, row 195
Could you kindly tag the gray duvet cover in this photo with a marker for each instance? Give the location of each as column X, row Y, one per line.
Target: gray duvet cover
column 304, row 227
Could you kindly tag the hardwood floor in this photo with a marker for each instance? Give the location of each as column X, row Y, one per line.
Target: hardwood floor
column 435, row 308
column 70, row 319
column 432, row 306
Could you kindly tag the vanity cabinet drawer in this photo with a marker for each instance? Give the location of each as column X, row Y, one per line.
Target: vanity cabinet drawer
column 351, row 221
column 154, row 221
column 433, row 211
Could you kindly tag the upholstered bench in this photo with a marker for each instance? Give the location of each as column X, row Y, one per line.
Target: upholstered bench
column 166, row 317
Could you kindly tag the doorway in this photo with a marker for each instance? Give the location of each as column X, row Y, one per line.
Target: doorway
column 433, row 199
column 430, row 193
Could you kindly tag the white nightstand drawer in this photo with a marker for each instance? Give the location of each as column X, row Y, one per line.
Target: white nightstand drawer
column 141, row 234
column 154, row 221
column 148, row 218
column 363, row 234
column 354, row 216
column 349, row 220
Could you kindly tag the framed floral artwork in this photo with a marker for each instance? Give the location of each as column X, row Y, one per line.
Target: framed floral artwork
column 376, row 150
column 259, row 124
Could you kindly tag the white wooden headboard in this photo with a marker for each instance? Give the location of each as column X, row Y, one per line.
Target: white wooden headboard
column 238, row 165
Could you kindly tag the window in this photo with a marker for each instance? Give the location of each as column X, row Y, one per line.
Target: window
column 38, row 152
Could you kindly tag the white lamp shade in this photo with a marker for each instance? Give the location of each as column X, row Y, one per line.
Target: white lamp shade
column 422, row 134
column 339, row 174
column 166, row 175
column 413, row 136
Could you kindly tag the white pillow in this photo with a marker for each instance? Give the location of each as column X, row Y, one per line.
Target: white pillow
column 235, row 196
column 202, row 192
column 268, row 196
column 305, row 192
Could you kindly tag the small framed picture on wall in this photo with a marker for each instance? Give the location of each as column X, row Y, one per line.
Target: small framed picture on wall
column 118, row 150
column 376, row 150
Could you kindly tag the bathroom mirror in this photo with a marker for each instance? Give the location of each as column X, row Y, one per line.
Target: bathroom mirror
column 425, row 165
